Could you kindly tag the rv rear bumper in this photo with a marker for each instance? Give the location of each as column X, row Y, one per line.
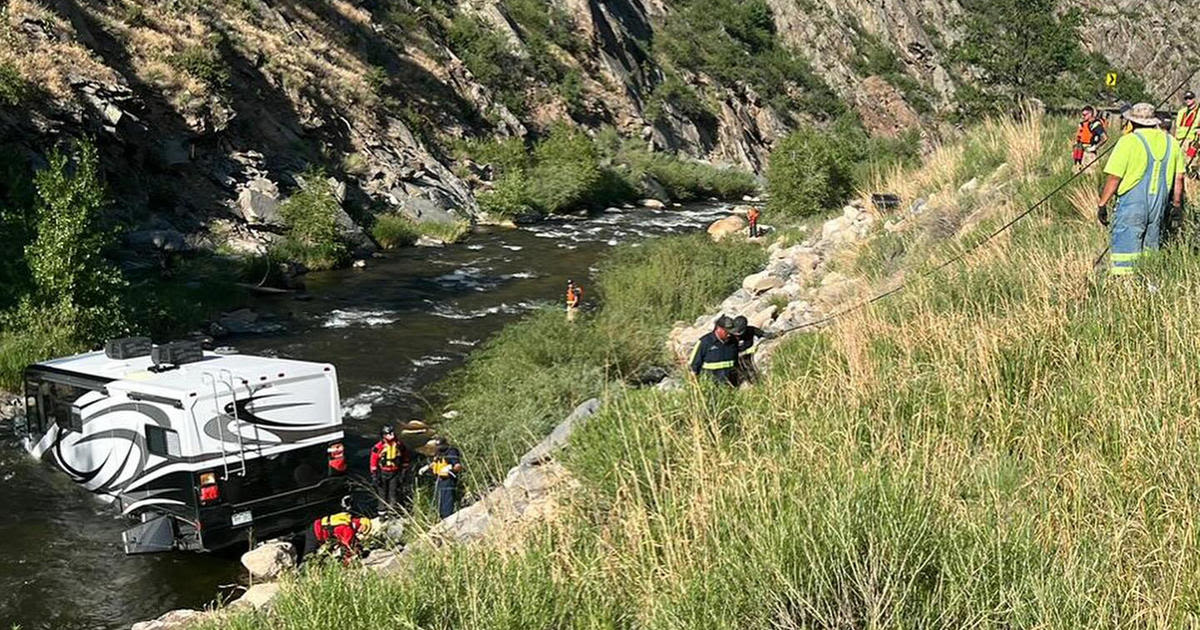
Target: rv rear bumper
column 233, row 523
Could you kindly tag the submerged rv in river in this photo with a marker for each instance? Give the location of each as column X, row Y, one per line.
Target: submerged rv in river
column 199, row 450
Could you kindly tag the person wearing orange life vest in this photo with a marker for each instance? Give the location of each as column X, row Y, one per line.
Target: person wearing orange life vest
column 574, row 295
column 1092, row 132
column 390, row 461
column 752, row 216
column 343, row 529
column 1187, row 125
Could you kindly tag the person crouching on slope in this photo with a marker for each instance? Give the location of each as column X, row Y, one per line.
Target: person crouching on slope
column 342, row 530
column 715, row 354
column 1143, row 168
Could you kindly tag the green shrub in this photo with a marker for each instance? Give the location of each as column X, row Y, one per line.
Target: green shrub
column 509, row 198
column 13, row 87
column 311, row 215
column 735, row 42
column 74, row 293
column 201, row 62
column 809, row 172
column 393, row 230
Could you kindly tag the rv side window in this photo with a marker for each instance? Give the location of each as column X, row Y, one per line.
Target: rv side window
column 162, row 442
column 58, row 405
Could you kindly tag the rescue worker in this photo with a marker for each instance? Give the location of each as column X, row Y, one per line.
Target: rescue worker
column 1142, row 170
column 1092, row 132
column 574, row 295
column 446, row 467
column 715, row 354
column 574, row 298
column 1187, row 125
column 390, row 462
column 752, row 216
column 342, row 529
column 747, row 337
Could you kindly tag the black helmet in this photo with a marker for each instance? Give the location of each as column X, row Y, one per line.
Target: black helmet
column 1189, row 95
column 740, row 323
column 387, row 428
column 725, row 322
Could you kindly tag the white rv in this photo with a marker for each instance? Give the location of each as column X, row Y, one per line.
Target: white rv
column 201, row 450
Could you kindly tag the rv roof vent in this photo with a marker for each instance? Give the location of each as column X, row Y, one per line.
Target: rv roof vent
column 127, row 348
column 177, row 353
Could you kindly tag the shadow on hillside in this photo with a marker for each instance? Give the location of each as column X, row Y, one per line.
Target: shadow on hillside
column 408, row 83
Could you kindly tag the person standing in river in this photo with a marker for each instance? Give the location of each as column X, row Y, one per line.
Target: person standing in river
column 574, row 298
column 752, row 216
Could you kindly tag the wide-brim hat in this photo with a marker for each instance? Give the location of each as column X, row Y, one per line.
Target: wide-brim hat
column 1143, row 114
column 429, row 449
column 415, row 427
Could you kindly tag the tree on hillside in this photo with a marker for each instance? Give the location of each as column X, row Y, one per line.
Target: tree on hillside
column 73, row 283
column 1020, row 49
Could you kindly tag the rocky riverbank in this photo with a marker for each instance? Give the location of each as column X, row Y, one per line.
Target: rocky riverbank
column 792, row 288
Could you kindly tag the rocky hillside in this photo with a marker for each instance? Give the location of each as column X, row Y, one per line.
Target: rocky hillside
column 205, row 112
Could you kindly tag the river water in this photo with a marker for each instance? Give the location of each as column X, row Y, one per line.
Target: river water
column 392, row 329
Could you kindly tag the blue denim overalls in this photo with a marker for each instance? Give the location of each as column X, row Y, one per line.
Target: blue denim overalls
column 1138, row 219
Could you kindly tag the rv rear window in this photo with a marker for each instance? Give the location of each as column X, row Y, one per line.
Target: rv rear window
column 162, row 442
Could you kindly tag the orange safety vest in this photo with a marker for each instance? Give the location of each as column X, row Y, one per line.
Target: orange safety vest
column 1085, row 136
column 573, row 295
column 752, row 215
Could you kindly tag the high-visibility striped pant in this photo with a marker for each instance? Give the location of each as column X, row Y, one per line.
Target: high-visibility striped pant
column 1137, row 226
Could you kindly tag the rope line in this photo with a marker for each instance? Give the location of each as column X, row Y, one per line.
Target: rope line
column 963, row 254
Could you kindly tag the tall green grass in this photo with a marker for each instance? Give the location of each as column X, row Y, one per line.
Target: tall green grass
column 526, row 379
column 1008, row 443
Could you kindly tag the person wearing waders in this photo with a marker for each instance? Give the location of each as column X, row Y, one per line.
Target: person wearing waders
column 574, row 297
column 747, row 341
column 445, row 467
column 1143, row 168
column 715, row 354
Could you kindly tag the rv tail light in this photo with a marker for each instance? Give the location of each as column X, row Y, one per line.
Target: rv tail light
column 337, row 457
column 209, row 492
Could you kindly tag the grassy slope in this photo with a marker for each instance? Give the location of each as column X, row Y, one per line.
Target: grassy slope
column 1005, row 444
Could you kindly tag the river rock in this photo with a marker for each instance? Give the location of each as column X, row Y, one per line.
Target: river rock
column 157, row 240
column 174, row 620
column 653, row 204
column 721, row 228
column 561, row 433
column 247, row 322
column 761, row 282
column 259, row 202
column 269, row 560
column 258, row 597
column 429, row 241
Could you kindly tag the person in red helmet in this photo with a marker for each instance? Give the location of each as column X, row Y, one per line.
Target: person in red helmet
column 390, row 460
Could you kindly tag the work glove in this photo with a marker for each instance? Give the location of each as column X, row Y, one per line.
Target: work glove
column 424, row 470
column 1102, row 215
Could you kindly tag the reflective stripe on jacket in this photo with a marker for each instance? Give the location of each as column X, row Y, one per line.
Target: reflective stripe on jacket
column 715, row 357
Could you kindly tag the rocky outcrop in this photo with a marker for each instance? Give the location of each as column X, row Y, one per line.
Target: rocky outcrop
column 270, row 560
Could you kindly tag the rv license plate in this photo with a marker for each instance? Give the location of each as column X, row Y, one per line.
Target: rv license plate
column 242, row 518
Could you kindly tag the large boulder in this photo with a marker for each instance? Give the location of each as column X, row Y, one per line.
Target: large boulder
column 157, row 240
column 730, row 225
column 174, row 620
column 259, row 203
column 653, row 204
column 761, row 282
column 561, row 433
column 258, row 597
column 269, row 560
